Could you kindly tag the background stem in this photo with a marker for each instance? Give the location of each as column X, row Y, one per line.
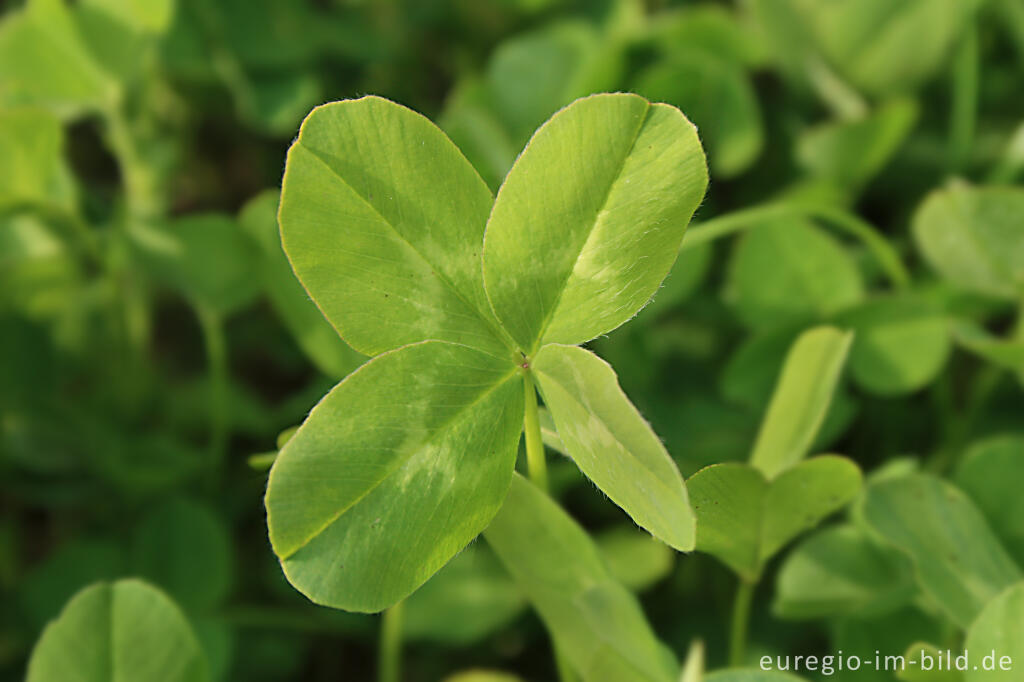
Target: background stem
column 390, row 661
column 740, row 622
column 217, row 368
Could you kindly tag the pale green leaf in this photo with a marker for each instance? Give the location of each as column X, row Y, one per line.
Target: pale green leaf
column 974, row 237
column 118, row 631
column 842, row 571
column 596, row 623
column 467, row 600
column 900, row 344
column 612, row 444
column 787, row 270
column 311, row 330
column 393, row 473
column 801, row 399
column 383, row 220
column 998, row 632
column 991, row 473
column 590, row 218
column 959, row 561
column 151, row 16
column 185, row 549
column 744, row 519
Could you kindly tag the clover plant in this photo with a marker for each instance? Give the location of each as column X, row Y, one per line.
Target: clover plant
column 467, row 305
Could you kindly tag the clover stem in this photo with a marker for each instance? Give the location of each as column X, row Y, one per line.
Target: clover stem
column 740, row 621
column 964, row 107
column 217, row 367
column 390, row 660
column 535, row 461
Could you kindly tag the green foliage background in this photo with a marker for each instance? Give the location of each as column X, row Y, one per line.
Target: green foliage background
column 866, row 161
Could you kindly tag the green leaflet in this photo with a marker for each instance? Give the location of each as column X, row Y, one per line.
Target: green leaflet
column 312, row 332
column 31, row 144
column 842, row 571
column 974, row 237
column 634, row 558
column 693, row 669
column 118, row 632
column 787, row 270
column 1008, row 353
column 394, row 472
column 801, row 399
column 959, row 561
column 595, row 622
column 901, row 343
column 612, row 444
column 744, row 519
column 991, row 473
column 604, row 190
column 382, row 219
column 997, row 632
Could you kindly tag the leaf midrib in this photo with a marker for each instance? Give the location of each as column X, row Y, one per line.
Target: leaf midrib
column 398, row 462
column 546, row 322
column 435, row 270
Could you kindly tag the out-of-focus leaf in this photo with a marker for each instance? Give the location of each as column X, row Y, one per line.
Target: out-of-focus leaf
column 717, row 95
column 744, row 519
column 714, row 29
column 998, row 633
column 207, row 257
column 916, row 671
column 465, row 601
column 801, row 399
column 880, row 47
column 184, row 548
column 605, row 190
column 31, row 144
column 900, row 343
column 892, row 633
column 595, row 622
column 470, row 120
column 959, row 561
column 356, row 192
column 635, row 559
column 852, row 152
column 45, row 62
column 974, row 237
column 841, row 571
column 39, row 276
column 991, row 473
column 531, row 76
column 685, row 277
column 753, row 368
column 693, row 669
column 360, row 517
column 1008, row 353
column 612, row 444
column 125, row 630
column 311, row 330
column 789, row 270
